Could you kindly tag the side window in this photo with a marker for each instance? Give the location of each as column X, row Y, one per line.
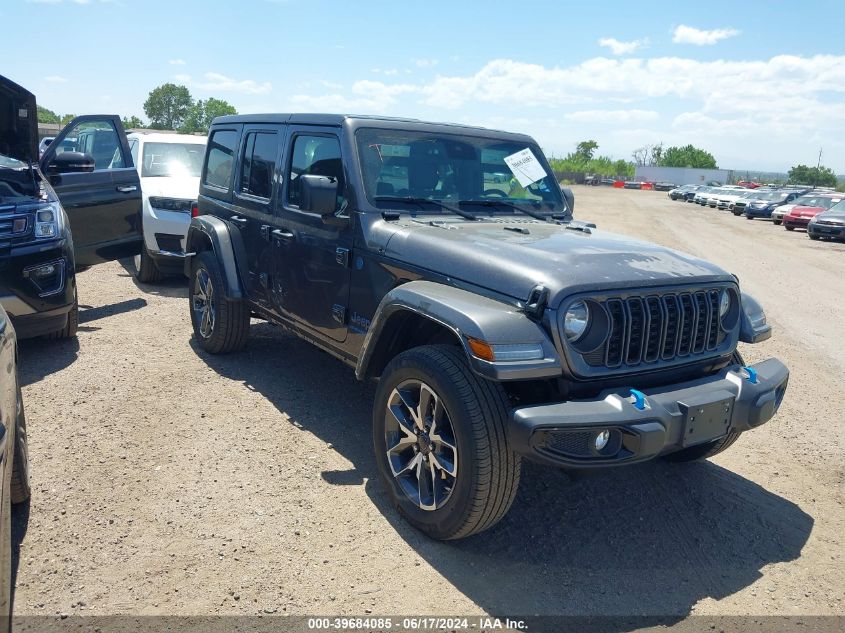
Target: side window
column 317, row 155
column 98, row 139
column 259, row 164
column 133, row 148
column 219, row 158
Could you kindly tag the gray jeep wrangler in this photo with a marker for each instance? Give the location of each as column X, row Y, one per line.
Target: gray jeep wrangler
column 497, row 327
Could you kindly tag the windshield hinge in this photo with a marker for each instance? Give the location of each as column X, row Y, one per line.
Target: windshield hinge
column 537, row 301
column 390, row 216
column 584, row 227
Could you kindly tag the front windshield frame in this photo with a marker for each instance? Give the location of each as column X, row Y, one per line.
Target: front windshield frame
column 461, row 159
column 193, row 170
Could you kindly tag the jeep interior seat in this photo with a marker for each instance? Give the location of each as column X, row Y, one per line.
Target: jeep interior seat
column 423, row 169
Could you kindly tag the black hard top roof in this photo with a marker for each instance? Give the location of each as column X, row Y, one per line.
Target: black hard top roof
column 359, row 120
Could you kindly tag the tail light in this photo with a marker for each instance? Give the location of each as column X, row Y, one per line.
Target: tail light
column 195, row 209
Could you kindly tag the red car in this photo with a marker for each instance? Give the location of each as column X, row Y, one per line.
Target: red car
column 800, row 215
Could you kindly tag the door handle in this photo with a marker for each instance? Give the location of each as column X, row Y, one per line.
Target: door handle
column 282, row 235
column 127, row 188
column 238, row 220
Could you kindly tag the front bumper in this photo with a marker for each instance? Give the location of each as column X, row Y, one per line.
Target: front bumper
column 826, row 230
column 669, row 418
column 37, row 305
column 751, row 212
column 795, row 222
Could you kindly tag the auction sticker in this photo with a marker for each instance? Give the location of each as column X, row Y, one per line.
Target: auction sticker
column 525, row 167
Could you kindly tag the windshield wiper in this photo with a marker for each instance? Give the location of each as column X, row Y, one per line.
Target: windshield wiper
column 504, row 203
column 421, row 201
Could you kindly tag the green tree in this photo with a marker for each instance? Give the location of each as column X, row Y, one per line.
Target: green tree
column 688, row 156
column 585, row 150
column 168, row 106
column 66, row 118
column 132, row 122
column 47, row 116
column 202, row 113
column 817, row 176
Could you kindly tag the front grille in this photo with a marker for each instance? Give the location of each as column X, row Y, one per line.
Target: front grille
column 830, row 223
column 739, row 205
column 10, row 220
column 659, row 328
column 571, row 443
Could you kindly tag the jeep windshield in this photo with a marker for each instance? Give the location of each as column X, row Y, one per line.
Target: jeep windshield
column 427, row 172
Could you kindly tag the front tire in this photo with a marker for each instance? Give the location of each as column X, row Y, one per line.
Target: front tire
column 72, row 325
column 439, row 433
column 220, row 326
column 789, row 228
column 776, row 222
column 146, row 270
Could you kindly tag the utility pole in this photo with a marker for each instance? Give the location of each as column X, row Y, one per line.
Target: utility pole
column 818, row 167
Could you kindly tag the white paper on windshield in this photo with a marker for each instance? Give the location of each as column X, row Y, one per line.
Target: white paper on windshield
column 525, row 167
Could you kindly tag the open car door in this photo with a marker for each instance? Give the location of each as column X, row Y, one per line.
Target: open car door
column 90, row 167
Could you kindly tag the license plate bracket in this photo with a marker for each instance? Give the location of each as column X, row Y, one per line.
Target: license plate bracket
column 706, row 417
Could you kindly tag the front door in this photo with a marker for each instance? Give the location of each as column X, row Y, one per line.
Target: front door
column 103, row 205
column 313, row 257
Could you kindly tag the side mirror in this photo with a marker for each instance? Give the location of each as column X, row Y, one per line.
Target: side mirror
column 70, row 163
column 318, row 195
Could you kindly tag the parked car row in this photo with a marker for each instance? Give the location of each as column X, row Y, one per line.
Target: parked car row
column 821, row 211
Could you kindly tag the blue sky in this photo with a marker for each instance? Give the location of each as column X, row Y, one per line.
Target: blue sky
column 761, row 85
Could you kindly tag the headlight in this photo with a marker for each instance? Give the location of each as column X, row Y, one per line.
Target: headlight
column 47, row 222
column 724, row 303
column 575, row 321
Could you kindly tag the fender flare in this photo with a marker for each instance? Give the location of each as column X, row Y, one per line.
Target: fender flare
column 466, row 314
column 224, row 244
column 753, row 327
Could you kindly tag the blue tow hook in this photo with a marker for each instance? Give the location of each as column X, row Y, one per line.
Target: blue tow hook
column 752, row 375
column 639, row 399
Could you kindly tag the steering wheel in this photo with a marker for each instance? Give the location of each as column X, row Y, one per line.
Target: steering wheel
column 496, row 192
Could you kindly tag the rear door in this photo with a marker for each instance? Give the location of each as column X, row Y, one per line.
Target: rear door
column 104, row 205
column 254, row 185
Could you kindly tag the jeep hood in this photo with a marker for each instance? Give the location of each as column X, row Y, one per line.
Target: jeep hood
column 512, row 257
column 18, row 122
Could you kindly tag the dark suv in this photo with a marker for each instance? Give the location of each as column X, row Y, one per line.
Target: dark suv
column 497, row 328
column 77, row 206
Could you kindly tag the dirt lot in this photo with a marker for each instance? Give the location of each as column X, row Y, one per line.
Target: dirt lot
column 166, row 481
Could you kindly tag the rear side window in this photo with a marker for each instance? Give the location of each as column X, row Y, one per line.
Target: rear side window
column 259, row 164
column 220, row 158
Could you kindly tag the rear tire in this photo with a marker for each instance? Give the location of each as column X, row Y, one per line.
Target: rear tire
column 20, row 490
column 220, row 325
column 708, row 449
column 146, row 270
column 481, row 474
column 70, row 328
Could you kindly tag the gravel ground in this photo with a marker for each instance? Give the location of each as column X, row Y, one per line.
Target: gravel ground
column 167, row 481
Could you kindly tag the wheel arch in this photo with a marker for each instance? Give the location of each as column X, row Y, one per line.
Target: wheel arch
column 423, row 312
column 209, row 233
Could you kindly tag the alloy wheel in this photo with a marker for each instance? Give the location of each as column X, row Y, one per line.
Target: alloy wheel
column 202, row 303
column 421, row 446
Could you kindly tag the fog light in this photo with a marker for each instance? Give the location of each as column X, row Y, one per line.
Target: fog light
column 601, row 439
column 47, row 270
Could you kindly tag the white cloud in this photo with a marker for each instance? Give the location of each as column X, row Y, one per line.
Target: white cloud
column 176, row 62
column 426, row 63
column 684, row 34
column 56, row 79
column 618, row 117
column 623, row 48
column 217, row 82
